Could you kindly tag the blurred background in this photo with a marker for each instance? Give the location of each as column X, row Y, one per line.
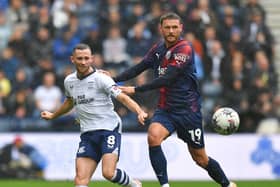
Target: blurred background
column 235, row 42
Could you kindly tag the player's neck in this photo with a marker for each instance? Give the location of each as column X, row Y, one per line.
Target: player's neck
column 169, row 44
column 86, row 73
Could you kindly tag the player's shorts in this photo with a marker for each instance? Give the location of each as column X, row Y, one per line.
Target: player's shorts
column 188, row 126
column 94, row 144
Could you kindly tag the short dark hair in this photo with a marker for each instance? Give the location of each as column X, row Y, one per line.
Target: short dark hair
column 81, row 46
column 169, row 15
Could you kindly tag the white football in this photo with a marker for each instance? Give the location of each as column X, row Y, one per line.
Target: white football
column 225, row 121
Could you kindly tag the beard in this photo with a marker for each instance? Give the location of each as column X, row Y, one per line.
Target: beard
column 170, row 39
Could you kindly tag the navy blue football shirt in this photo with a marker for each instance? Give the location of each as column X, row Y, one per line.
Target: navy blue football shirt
column 174, row 71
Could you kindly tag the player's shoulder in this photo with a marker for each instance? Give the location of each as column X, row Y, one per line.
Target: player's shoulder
column 157, row 46
column 183, row 43
column 181, row 46
column 71, row 77
column 102, row 76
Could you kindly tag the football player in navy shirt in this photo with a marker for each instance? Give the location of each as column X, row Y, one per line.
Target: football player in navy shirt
column 179, row 106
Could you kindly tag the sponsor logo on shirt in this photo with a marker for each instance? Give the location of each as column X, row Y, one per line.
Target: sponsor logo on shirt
column 81, row 99
column 180, row 58
column 82, row 150
column 157, row 54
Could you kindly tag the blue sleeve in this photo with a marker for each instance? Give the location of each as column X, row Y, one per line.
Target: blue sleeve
column 165, row 80
column 146, row 63
column 132, row 72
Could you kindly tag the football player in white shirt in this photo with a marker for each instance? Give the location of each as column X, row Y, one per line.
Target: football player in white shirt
column 89, row 92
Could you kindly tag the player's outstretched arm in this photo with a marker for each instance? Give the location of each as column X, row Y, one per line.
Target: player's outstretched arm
column 130, row 90
column 133, row 106
column 63, row 109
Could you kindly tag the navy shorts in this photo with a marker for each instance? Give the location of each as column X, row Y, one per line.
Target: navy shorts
column 187, row 125
column 94, row 144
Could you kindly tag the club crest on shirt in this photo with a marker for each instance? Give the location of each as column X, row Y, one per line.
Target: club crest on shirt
column 168, row 55
column 115, row 90
column 181, row 58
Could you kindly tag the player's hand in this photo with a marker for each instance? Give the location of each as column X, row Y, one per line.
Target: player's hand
column 142, row 116
column 105, row 72
column 130, row 90
column 47, row 115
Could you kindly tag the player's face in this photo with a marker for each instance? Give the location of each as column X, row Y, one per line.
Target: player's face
column 171, row 30
column 83, row 60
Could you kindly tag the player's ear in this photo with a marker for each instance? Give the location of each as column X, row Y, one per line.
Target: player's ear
column 92, row 59
column 181, row 27
column 159, row 29
column 72, row 59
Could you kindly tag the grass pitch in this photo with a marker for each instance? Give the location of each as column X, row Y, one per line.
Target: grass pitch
column 40, row 183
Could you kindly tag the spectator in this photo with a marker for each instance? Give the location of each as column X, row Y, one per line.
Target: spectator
column 5, row 90
column 110, row 13
column 20, row 107
column 114, row 49
column 209, row 36
column 98, row 61
column 19, row 44
column 87, row 13
column 198, row 54
column 235, row 44
column 21, row 80
column 42, row 18
column 21, row 160
column 9, row 63
column 139, row 41
column 241, row 27
column 236, row 86
column 62, row 48
column 136, row 14
column 195, row 24
column 113, row 18
column 196, row 43
column 5, row 31
column 17, row 14
column 47, row 96
column 226, row 27
column 262, row 74
column 249, row 8
column 43, row 65
column 206, row 14
column 216, row 66
column 41, row 46
column 152, row 18
column 93, row 39
column 182, row 8
column 257, row 35
column 60, row 12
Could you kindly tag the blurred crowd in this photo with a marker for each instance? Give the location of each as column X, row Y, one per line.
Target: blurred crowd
column 19, row 159
column 234, row 52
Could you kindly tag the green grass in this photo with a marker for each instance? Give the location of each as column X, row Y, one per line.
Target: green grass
column 39, row 183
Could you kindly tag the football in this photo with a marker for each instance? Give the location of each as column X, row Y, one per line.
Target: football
column 225, row 121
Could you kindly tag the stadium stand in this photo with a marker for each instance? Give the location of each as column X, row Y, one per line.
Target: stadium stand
column 238, row 36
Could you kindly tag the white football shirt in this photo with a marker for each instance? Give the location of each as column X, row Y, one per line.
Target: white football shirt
column 92, row 101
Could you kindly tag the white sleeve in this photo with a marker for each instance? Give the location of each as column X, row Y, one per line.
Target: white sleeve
column 109, row 85
column 66, row 88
